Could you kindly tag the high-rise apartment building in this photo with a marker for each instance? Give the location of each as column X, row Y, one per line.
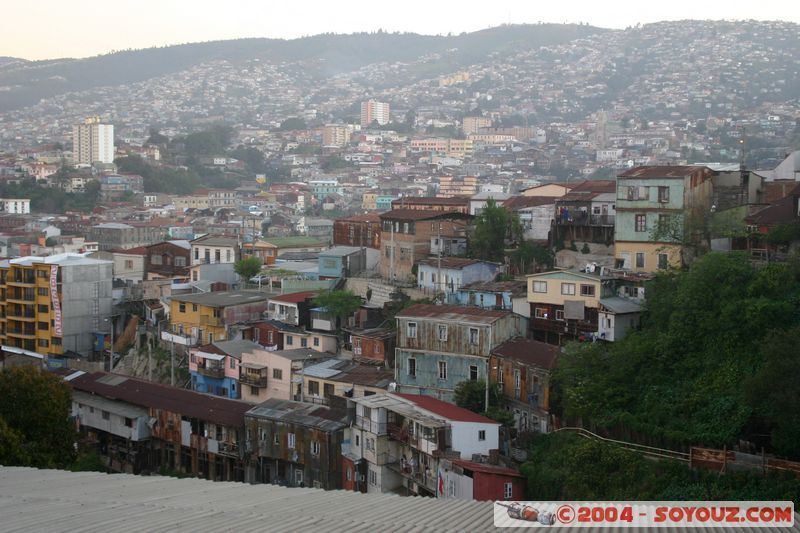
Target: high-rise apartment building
column 336, row 135
column 374, row 111
column 51, row 305
column 92, row 142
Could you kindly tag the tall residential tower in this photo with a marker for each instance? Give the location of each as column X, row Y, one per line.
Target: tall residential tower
column 92, row 142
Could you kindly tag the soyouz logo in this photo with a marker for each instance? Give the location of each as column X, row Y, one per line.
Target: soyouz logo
column 644, row 514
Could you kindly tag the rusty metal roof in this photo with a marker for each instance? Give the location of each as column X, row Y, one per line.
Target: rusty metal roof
column 421, row 214
column 454, row 313
column 530, row 352
column 677, row 171
column 301, row 414
column 153, row 395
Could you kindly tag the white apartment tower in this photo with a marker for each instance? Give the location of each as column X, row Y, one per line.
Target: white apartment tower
column 92, row 142
column 372, row 110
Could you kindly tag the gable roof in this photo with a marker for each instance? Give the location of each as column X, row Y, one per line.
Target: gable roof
column 294, row 297
column 444, row 409
column 521, row 202
column 421, row 214
column 530, row 352
column 662, row 171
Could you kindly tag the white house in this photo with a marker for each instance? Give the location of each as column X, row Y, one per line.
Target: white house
column 448, row 274
column 16, row 206
column 616, row 316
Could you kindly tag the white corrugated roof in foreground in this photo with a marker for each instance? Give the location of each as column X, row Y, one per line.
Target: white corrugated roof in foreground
column 55, row 500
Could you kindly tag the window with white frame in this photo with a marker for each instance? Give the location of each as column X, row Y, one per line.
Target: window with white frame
column 587, row 290
column 442, row 329
column 412, row 367
column 560, row 314
column 315, row 447
column 508, row 490
column 373, row 478
column 411, row 330
column 568, row 289
column 539, row 286
column 442, row 369
column 290, row 441
column 482, row 434
column 541, row 312
column 474, row 336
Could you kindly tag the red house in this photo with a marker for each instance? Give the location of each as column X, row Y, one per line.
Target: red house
column 267, row 333
column 467, row 480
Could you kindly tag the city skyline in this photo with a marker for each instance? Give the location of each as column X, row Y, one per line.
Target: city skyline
column 152, row 24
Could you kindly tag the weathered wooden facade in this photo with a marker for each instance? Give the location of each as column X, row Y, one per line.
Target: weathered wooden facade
column 362, row 230
column 166, row 260
column 295, row 444
column 438, row 346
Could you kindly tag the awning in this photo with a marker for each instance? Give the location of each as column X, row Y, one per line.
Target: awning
column 211, row 356
column 253, row 366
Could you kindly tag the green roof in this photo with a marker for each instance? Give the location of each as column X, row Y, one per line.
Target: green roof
column 293, row 242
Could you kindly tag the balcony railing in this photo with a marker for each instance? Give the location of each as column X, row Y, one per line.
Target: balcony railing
column 254, row 380
column 585, row 220
column 379, row 428
column 415, row 473
column 212, row 372
column 228, row 448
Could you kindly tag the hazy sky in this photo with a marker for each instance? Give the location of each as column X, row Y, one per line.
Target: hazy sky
column 40, row 29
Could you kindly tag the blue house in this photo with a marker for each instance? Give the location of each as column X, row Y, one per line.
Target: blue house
column 449, row 274
column 214, row 368
column 342, row 262
column 491, row 294
column 439, row 346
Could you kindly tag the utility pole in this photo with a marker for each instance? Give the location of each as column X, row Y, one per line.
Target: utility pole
column 172, row 364
column 487, row 384
column 391, row 268
column 149, row 361
column 439, row 256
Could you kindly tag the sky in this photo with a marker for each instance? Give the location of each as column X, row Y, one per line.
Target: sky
column 47, row 29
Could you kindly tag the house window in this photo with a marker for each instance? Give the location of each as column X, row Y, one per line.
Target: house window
column 182, row 307
column 262, row 434
column 473, row 372
column 663, row 260
column 482, row 434
column 411, row 330
column 129, row 264
column 314, row 447
column 304, row 342
column 473, row 336
column 508, row 490
column 316, row 341
column 412, row 367
column 373, row 478
column 290, row 441
column 269, row 337
column 313, row 388
column 194, row 358
column 217, row 256
column 349, row 474
column 560, row 314
column 43, row 308
column 539, row 286
column 228, row 256
column 197, row 254
column 43, row 291
column 194, row 307
column 442, row 369
column 233, row 363
column 43, row 343
column 44, row 326
column 180, row 261
column 587, row 290
column 298, row 477
column 641, row 223
column 541, row 312
column 500, row 375
column 106, row 415
column 289, row 340
column 254, row 391
column 639, row 259
column 277, row 373
column 663, row 195
column 568, row 289
column 442, row 332
column 276, row 439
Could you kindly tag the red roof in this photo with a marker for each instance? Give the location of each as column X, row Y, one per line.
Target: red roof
column 139, row 250
column 485, row 468
column 421, row 214
column 676, row 171
column 446, row 410
column 433, row 310
column 294, row 297
column 521, row 202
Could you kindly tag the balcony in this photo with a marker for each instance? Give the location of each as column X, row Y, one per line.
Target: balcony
column 18, row 313
column 230, row 449
column 217, row 372
column 20, row 280
column 254, row 380
column 25, row 297
column 415, row 474
column 379, row 428
column 582, row 219
column 25, row 333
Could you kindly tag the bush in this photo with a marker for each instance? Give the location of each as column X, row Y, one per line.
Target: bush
column 585, row 249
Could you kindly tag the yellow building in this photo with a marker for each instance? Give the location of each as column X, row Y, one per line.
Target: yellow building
column 207, row 317
column 54, row 304
column 369, row 201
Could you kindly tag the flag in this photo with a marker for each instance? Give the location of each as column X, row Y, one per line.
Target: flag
column 441, row 483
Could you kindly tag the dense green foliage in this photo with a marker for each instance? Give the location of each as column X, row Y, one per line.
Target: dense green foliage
column 53, row 200
column 710, row 339
column 340, row 304
column 496, row 228
column 472, row 395
column 248, row 267
column 569, row 467
column 35, row 406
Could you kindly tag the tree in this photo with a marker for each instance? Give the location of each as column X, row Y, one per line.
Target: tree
column 495, row 227
column 248, row 267
column 774, row 391
column 340, row 304
column 12, row 452
column 528, row 255
column 293, row 124
column 37, row 404
column 471, row 394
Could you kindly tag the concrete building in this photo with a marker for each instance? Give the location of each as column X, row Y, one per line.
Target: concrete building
column 210, row 249
column 92, row 142
column 110, row 235
column 374, row 111
column 54, row 304
column 336, row 135
column 15, row 206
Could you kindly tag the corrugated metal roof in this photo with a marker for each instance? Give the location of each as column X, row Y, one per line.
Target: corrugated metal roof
column 53, row 500
column 676, row 171
column 455, row 313
column 620, row 305
column 301, row 413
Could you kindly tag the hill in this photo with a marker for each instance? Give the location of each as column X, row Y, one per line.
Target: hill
column 26, row 83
